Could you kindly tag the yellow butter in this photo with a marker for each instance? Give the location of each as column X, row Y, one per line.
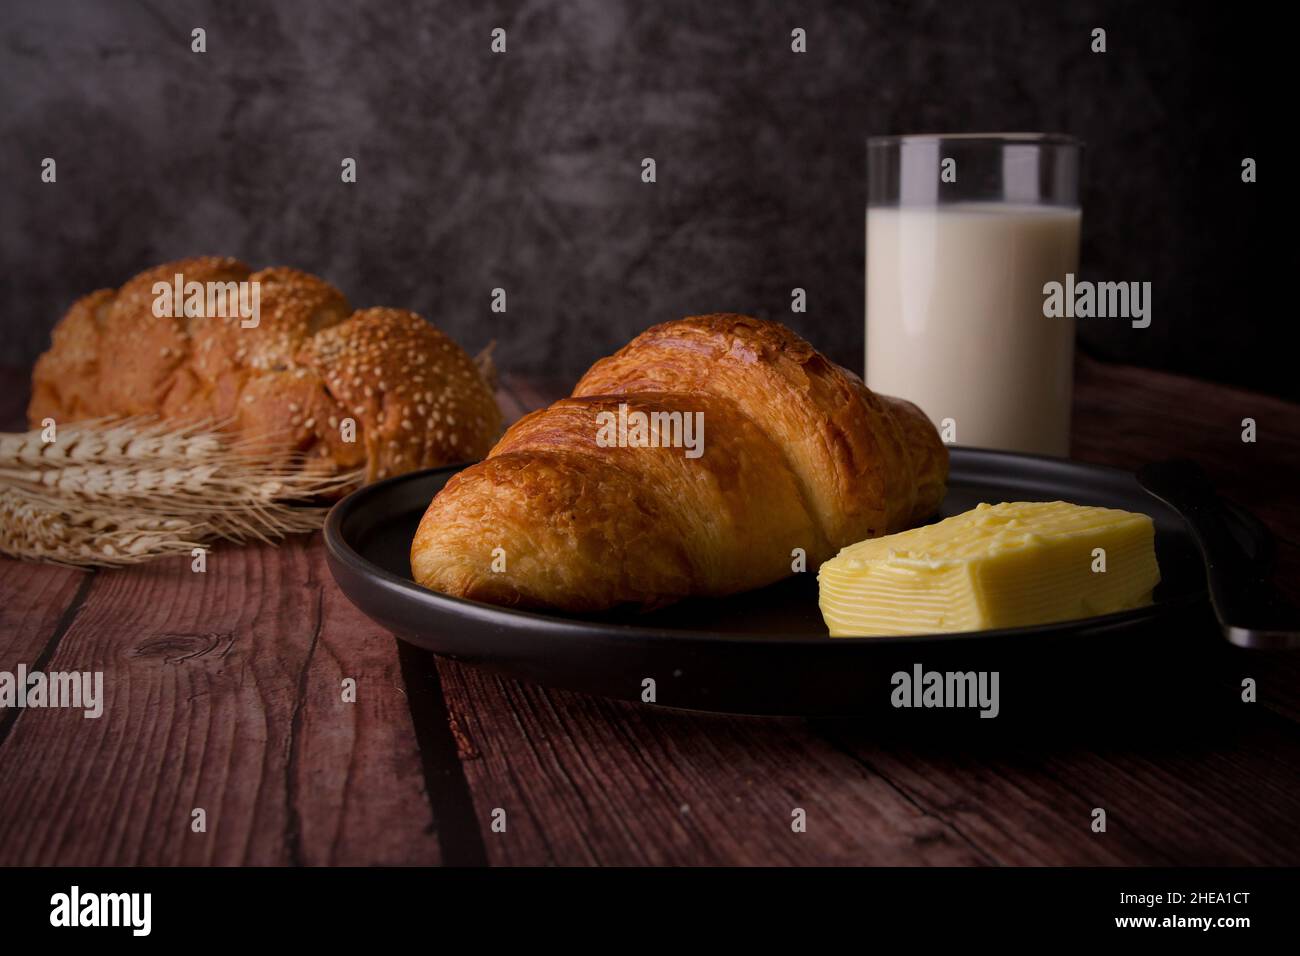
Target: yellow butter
column 1006, row 565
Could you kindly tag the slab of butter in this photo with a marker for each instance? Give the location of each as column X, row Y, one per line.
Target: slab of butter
column 1006, row 565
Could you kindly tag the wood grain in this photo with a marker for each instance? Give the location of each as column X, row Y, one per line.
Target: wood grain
column 1018, row 800
column 224, row 691
column 34, row 599
column 1189, row 790
column 37, row 602
column 584, row 780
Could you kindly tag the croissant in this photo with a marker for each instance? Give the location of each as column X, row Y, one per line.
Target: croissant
column 793, row 452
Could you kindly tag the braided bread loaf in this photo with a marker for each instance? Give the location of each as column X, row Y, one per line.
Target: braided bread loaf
column 288, row 384
column 798, row 453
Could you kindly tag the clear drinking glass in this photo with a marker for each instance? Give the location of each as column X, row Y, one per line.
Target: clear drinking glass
column 963, row 232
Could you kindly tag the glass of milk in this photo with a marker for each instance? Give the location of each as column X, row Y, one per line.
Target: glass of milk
column 963, row 232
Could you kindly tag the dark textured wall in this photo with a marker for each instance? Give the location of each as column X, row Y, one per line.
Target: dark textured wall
column 523, row 170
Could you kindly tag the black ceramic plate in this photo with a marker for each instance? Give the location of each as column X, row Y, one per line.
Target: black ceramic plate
column 767, row 651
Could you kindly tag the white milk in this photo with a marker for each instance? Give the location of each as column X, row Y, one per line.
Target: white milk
column 955, row 318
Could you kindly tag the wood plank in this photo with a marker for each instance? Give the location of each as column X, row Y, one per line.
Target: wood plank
column 584, row 780
column 38, row 602
column 222, row 692
column 1197, row 791
column 1126, row 416
column 232, row 693
column 300, row 775
column 588, row 781
column 581, row 769
column 33, row 600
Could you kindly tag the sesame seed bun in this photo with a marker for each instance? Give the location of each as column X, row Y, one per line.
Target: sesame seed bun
column 416, row 399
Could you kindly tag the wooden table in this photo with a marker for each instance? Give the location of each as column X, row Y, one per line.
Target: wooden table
column 223, row 693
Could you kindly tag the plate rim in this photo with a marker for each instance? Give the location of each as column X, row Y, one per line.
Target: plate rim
column 340, row 551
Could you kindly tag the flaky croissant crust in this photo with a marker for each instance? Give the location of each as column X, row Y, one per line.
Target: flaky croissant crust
column 798, row 454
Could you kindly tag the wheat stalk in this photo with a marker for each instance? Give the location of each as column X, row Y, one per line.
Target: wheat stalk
column 120, row 491
column 36, row 529
column 114, row 440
